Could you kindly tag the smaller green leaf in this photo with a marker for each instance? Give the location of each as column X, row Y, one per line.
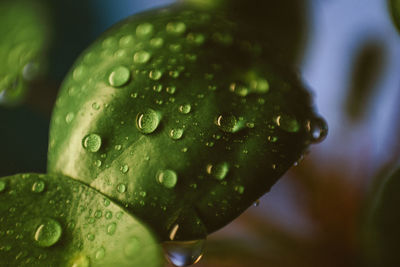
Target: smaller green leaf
column 382, row 233
column 56, row 221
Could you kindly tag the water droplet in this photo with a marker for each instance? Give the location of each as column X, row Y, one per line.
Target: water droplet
column 176, row 134
column 100, row 253
column 106, row 202
column 92, row 142
column 287, row 123
column 318, row 129
column 111, row 228
column 155, row 75
column 218, row 171
column 70, row 117
column 2, row 186
column 195, row 38
column 239, row 89
column 118, row 147
column 176, row 28
column 260, row 86
column 228, row 123
column 141, row 57
column 48, row 232
column 38, row 186
column 121, row 188
column 144, row 30
column 90, row 237
column 119, row 76
column 126, row 41
column 157, row 42
column 171, row 90
column 95, row 106
column 173, row 232
column 168, row 178
column 184, row 253
column 148, row 121
column 185, row 109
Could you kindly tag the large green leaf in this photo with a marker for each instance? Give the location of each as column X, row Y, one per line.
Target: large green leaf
column 181, row 115
column 55, row 221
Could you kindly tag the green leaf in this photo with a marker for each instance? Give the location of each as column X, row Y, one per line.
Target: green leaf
column 182, row 117
column 24, row 31
column 395, row 11
column 382, row 233
column 49, row 220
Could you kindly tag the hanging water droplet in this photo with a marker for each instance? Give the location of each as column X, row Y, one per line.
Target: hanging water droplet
column 176, row 28
column 119, row 76
column 2, row 186
column 48, row 232
column 228, row 123
column 218, row 171
column 176, row 134
column 141, row 57
column 148, row 121
column 92, row 142
column 155, row 75
column 38, row 186
column 287, row 123
column 185, row 109
column 121, row 188
column 144, row 30
column 184, row 253
column 318, row 129
column 168, row 178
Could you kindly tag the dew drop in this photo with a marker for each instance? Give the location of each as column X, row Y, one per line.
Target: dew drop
column 239, row 189
column 155, row 75
column 176, row 134
column 38, row 186
column 287, row 123
column 228, row 123
column 48, row 232
column 100, row 253
column 90, row 237
column 239, row 89
column 121, row 188
column 171, row 90
column 148, row 121
column 92, row 142
column 218, row 171
column 184, row 253
column 176, row 28
column 144, row 30
column 111, row 228
column 185, row 109
column 168, row 178
column 95, row 106
column 119, row 76
column 141, row 57
column 124, row 168
column 318, row 129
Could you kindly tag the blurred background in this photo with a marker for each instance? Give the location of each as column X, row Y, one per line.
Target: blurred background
column 312, row 216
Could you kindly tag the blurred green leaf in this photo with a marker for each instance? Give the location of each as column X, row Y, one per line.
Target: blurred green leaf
column 395, row 11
